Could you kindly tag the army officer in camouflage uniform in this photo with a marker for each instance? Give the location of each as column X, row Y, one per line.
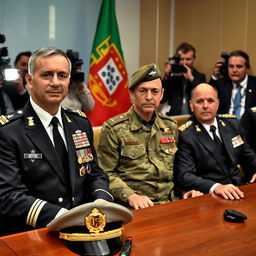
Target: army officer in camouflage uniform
column 137, row 148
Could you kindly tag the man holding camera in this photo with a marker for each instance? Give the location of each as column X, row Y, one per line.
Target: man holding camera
column 79, row 95
column 236, row 89
column 179, row 79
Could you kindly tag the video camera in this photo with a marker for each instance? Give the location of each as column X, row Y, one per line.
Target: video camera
column 76, row 74
column 224, row 67
column 177, row 67
column 6, row 72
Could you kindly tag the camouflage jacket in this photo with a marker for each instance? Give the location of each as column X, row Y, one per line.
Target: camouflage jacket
column 138, row 159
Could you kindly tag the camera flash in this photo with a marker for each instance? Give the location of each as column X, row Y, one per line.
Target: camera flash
column 11, row 74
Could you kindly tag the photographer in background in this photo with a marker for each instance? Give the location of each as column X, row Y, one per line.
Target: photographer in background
column 179, row 79
column 6, row 106
column 236, row 89
column 79, row 95
column 12, row 92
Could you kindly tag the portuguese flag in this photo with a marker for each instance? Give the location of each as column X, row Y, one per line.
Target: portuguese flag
column 107, row 80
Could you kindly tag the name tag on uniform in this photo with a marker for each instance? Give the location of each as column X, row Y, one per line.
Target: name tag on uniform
column 131, row 142
column 237, row 141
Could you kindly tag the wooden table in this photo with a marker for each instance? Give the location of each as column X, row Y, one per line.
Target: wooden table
column 185, row 227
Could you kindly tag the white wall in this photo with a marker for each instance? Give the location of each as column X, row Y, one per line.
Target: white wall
column 128, row 17
column 26, row 26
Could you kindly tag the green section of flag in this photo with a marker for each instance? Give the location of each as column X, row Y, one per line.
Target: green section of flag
column 107, row 26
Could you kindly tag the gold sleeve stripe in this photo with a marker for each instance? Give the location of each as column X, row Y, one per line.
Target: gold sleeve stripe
column 30, row 211
column 37, row 213
column 34, row 212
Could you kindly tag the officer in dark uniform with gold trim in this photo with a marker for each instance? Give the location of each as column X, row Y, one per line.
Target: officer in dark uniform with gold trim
column 36, row 184
column 207, row 157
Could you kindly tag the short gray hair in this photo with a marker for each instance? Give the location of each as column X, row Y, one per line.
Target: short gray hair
column 45, row 52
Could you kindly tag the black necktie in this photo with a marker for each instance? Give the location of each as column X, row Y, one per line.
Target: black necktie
column 60, row 147
column 216, row 138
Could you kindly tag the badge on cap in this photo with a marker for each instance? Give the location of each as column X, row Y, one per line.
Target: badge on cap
column 95, row 221
column 80, row 139
column 237, row 141
column 153, row 71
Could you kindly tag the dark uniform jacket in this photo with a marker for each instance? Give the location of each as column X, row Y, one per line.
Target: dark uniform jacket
column 32, row 183
column 173, row 91
column 225, row 87
column 248, row 123
column 199, row 165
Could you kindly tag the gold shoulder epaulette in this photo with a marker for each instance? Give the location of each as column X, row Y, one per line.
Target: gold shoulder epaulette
column 76, row 111
column 118, row 119
column 184, row 127
column 253, row 109
column 226, row 116
column 167, row 117
column 5, row 119
column 81, row 113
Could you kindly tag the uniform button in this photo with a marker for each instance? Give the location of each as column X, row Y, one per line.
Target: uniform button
column 73, row 199
column 133, row 154
column 60, row 199
column 124, row 195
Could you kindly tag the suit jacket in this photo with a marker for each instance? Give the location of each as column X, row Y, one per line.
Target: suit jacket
column 224, row 86
column 198, row 164
column 32, row 182
column 173, row 93
column 248, row 123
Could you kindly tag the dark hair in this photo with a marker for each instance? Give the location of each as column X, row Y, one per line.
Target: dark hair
column 18, row 57
column 243, row 54
column 185, row 48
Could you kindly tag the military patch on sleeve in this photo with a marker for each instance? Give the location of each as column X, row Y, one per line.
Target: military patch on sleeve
column 226, row 116
column 183, row 127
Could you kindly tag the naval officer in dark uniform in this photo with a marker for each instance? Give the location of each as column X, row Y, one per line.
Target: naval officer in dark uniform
column 47, row 160
column 210, row 148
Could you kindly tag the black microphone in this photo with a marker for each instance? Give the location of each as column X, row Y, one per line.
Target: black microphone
column 127, row 247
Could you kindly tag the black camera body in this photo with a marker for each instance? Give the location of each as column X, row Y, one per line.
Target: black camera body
column 6, row 72
column 76, row 74
column 224, row 65
column 177, row 67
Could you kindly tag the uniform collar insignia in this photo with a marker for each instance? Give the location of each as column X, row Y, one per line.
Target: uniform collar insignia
column 198, row 129
column 68, row 119
column 31, row 121
column 222, row 123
